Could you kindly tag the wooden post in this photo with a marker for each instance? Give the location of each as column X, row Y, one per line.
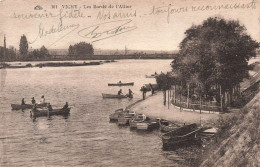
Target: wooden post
column 168, row 99
column 180, row 98
column 200, row 102
column 188, row 95
column 220, row 94
column 174, row 97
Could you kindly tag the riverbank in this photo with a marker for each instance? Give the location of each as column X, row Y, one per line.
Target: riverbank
column 55, row 64
column 153, row 107
column 238, row 142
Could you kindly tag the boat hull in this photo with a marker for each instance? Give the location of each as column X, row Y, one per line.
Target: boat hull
column 121, row 84
column 166, row 126
column 182, row 136
column 113, row 96
column 26, row 106
column 147, row 125
column 44, row 113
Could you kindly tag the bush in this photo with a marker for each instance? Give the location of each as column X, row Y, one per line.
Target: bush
column 29, row 65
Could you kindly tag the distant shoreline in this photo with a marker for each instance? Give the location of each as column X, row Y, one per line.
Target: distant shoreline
column 98, row 57
column 55, row 64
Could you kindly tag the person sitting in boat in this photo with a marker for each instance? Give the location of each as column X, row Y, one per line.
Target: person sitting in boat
column 34, row 107
column 49, row 107
column 66, row 105
column 33, row 100
column 130, row 93
column 23, row 102
column 120, row 92
column 42, row 100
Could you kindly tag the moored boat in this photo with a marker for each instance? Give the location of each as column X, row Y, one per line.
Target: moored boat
column 181, row 136
column 121, row 84
column 137, row 119
column 113, row 96
column 123, row 119
column 45, row 112
column 149, row 124
column 167, row 126
column 114, row 117
column 148, row 87
column 26, row 106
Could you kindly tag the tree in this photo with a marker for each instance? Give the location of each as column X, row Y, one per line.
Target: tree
column 81, row 49
column 217, row 51
column 43, row 52
column 23, row 45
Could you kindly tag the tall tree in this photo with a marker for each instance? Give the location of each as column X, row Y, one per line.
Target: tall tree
column 81, row 49
column 23, row 45
column 218, row 52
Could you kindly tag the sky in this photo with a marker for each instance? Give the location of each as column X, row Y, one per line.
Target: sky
column 116, row 24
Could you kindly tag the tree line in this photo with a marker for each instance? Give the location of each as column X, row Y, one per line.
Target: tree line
column 79, row 50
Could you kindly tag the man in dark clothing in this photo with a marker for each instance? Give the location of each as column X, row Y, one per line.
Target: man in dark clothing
column 23, row 103
column 49, row 107
column 152, row 90
column 66, row 105
column 130, row 93
column 33, row 101
column 144, row 92
column 119, row 92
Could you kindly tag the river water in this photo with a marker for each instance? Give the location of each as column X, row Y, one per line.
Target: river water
column 85, row 137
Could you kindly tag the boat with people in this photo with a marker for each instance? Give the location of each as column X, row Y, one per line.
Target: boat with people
column 46, row 112
column 152, row 75
column 167, row 126
column 147, row 125
column 116, row 96
column 137, row 119
column 26, row 106
column 187, row 134
column 121, row 84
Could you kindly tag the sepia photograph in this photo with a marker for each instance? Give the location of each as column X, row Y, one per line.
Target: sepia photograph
column 127, row 83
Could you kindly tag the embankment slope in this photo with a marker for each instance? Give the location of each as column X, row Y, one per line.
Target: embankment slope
column 241, row 147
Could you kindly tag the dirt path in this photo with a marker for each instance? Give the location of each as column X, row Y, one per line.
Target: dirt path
column 153, row 107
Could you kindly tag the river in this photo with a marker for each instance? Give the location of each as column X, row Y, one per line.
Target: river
column 85, row 137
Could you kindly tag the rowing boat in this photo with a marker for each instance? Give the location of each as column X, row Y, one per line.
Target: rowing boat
column 45, row 112
column 121, row 84
column 115, row 96
column 148, row 125
column 124, row 118
column 114, row 116
column 148, row 87
column 167, row 126
column 181, row 136
column 26, row 106
column 137, row 119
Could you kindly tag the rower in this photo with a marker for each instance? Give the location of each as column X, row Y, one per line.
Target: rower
column 120, row 82
column 130, row 93
column 23, row 102
column 66, row 105
column 120, row 92
column 42, row 99
column 49, row 107
column 33, row 100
